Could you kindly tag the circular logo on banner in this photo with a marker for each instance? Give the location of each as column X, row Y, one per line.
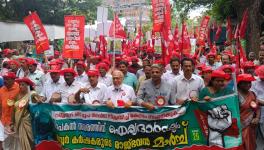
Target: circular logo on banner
column 193, row 95
column 160, row 101
column 253, row 105
column 10, row 102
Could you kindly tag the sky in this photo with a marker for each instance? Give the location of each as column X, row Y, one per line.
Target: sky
column 196, row 12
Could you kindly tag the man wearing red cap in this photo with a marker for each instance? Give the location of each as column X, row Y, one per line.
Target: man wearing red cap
column 94, row 93
column 8, row 94
column 134, row 67
column 23, row 70
column 35, row 75
column 51, row 85
column 13, row 65
column 211, row 61
column 80, row 68
column 68, row 89
column 104, row 77
column 258, row 88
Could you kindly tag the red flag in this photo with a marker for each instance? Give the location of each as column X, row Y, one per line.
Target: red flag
column 202, row 31
column 103, row 44
column 116, row 29
column 176, row 38
column 209, row 37
column 158, row 14
column 218, row 32
column 38, row 31
column 237, row 31
column 74, row 37
column 185, row 43
column 229, row 30
column 243, row 25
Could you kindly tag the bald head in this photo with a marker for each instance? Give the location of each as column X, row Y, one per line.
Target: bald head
column 118, row 77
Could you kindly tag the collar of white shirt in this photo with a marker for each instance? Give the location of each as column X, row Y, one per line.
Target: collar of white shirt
column 182, row 77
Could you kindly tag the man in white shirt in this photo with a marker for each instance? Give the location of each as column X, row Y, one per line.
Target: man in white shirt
column 23, row 70
column 68, row 89
column 35, row 75
column 80, row 68
column 52, row 85
column 258, row 88
column 119, row 94
column 94, row 93
column 184, row 84
column 211, row 62
column 104, row 77
column 175, row 70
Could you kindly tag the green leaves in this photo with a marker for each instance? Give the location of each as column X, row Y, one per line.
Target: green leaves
column 50, row 11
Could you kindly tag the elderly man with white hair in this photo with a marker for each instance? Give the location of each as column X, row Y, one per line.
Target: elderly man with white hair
column 119, row 94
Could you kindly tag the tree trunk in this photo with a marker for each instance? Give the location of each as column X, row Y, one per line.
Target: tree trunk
column 254, row 22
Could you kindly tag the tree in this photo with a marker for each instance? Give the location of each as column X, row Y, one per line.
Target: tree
column 220, row 9
column 50, row 11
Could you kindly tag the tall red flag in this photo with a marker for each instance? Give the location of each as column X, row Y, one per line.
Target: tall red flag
column 243, row 25
column 202, row 31
column 185, row 43
column 38, row 31
column 74, row 37
column 237, row 31
column 103, row 44
column 158, row 12
column 116, row 29
column 229, row 30
column 176, row 38
column 218, row 32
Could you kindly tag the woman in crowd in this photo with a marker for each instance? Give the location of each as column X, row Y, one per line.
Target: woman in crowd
column 228, row 69
column 216, row 86
column 206, row 74
column 21, row 116
column 249, row 111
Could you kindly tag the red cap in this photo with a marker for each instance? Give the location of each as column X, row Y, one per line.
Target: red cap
column 68, row 70
column 248, row 64
column 103, row 65
column 159, row 62
column 11, row 75
column 245, row 77
column 224, row 67
column 200, row 66
column 13, row 62
column 92, row 73
column 260, row 71
column 32, row 61
column 211, row 54
column 134, row 58
column 54, row 71
column 150, row 50
column 118, row 59
column 206, row 69
column 56, row 53
column 106, row 61
column 219, row 74
column 53, row 63
column 81, row 63
column 26, row 80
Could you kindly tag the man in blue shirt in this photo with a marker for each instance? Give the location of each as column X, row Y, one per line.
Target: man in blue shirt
column 129, row 78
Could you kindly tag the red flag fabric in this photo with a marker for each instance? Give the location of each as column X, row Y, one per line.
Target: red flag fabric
column 116, row 29
column 176, row 38
column 202, row 31
column 158, row 14
column 229, row 30
column 74, row 37
column 185, row 43
column 38, row 31
column 243, row 25
column 237, row 31
column 103, row 44
column 218, row 32
column 209, row 37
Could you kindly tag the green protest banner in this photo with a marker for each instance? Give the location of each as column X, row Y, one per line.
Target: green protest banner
column 195, row 125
